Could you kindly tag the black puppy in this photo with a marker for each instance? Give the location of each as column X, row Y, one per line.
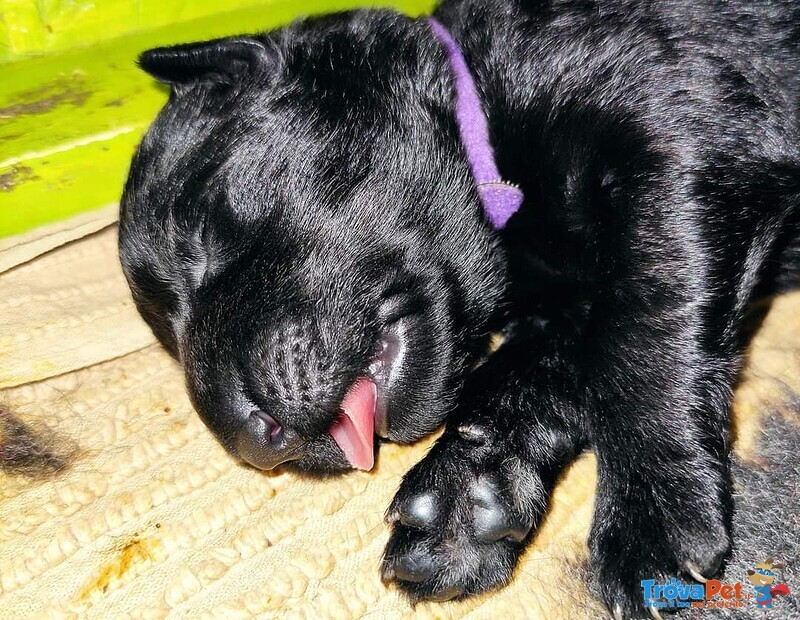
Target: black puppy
column 302, row 229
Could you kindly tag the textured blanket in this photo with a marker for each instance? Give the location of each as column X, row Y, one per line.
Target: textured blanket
column 116, row 502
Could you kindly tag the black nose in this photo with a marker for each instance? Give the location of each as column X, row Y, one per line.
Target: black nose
column 265, row 444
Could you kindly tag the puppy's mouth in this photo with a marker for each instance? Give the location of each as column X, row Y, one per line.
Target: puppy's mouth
column 364, row 409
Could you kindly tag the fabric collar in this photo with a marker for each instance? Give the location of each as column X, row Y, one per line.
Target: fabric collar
column 500, row 199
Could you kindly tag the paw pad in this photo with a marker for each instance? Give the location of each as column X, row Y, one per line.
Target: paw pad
column 492, row 519
column 414, row 567
column 420, row 511
column 458, row 521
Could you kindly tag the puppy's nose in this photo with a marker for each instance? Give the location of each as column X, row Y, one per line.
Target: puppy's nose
column 264, row 443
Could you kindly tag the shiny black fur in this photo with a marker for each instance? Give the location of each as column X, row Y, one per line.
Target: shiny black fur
column 305, row 190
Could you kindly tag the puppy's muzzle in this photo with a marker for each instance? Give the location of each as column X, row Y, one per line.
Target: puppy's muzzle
column 265, row 444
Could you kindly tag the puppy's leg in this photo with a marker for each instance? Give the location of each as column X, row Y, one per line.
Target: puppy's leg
column 463, row 515
column 648, row 379
column 665, row 358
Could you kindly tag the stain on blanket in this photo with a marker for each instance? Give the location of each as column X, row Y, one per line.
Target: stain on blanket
column 128, row 557
column 30, row 450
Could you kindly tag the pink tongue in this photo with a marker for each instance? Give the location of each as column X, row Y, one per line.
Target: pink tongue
column 354, row 430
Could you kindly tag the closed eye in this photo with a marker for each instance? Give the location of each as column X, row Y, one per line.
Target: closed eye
column 397, row 306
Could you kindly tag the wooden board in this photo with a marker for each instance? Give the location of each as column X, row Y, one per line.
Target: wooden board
column 69, row 122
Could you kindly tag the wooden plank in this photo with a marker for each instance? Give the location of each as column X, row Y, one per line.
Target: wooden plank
column 34, row 27
column 69, row 123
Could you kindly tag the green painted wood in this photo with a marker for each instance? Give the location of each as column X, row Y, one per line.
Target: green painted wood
column 69, row 122
column 38, row 27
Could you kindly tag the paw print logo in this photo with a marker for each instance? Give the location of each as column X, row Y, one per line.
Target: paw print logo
column 762, row 579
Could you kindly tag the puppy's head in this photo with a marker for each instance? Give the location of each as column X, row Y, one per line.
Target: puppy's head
column 301, row 230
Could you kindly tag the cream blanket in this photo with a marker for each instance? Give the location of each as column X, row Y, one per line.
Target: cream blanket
column 150, row 518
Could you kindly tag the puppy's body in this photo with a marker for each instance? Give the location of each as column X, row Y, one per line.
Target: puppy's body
column 305, row 197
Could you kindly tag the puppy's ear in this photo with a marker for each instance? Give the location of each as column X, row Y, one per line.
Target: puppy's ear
column 224, row 61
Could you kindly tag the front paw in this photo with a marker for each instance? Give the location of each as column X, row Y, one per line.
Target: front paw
column 645, row 529
column 461, row 519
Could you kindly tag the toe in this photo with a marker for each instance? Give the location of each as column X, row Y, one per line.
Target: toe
column 491, row 525
column 420, row 511
column 416, row 567
column 492, row 517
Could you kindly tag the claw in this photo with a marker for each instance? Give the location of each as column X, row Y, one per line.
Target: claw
column 473, row 433
column 391, row 517
column 617, row 613
column 387, row 575
column 444, row 595
column 694, row 570
column 654, row 612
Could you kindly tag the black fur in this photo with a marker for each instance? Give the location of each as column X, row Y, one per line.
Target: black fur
column 305, row 192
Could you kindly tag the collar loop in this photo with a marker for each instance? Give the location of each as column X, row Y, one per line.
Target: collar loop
column 500, row 198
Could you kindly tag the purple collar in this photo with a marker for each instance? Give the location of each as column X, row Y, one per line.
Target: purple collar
column 500, row 199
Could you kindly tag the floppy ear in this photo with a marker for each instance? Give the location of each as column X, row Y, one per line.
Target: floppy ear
column 224, row 61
